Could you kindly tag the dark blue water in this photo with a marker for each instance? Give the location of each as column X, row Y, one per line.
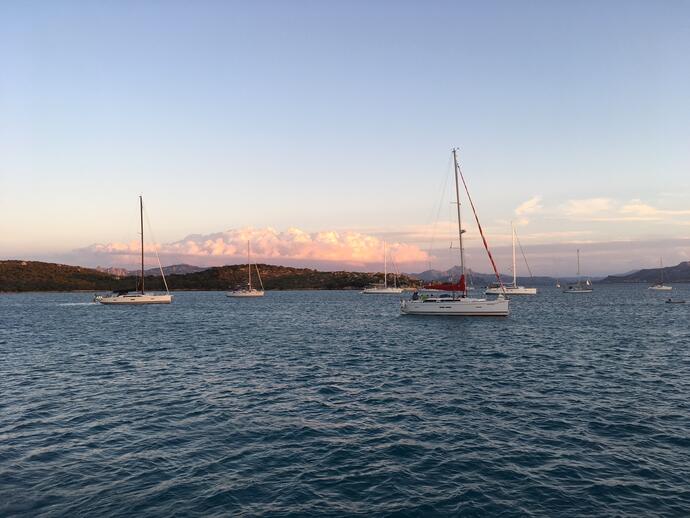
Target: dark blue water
column 332, row 403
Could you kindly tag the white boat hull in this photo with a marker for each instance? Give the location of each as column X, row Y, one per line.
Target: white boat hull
column 660, row 287
column 466, row 307
column 578, row 290
column 134, row 299
column 382, row 291
column 245, row 294
column 511, row 290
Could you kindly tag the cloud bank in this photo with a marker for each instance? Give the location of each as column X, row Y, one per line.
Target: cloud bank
column 332, row 249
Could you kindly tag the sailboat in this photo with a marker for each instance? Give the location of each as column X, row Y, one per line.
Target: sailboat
column 384, row 289
column 660, row 286
column 579, row 286
column 511, row 289
column 248, row 290
column 138, row 297
column 451, row 299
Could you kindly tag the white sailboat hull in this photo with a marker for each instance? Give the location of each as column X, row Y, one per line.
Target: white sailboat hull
column 466, row 307
column 511, row 290
column 134, row 299
column 660, row 287
column 575, row 289
column 244, row 294
column 382, row 291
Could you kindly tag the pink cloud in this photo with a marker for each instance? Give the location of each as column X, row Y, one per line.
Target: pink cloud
column 346, row 248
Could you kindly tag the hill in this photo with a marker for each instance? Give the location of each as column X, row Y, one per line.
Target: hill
column 40, row 276
column 678, row 273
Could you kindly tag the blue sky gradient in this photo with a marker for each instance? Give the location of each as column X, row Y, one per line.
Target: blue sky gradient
column 340, row 116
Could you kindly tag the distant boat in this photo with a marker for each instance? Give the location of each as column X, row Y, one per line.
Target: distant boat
column 558, row 284
column 660, row 285
column 451, row 299
column 248, row 291
column 138, row 297
column 384, row 289
column 579, row 286
column 511, row 289
column 671, row 301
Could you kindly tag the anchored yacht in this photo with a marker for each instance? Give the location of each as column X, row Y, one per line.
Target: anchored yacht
column 512, row 289
column 384, row 289
column 248, row 290
column 140, row 296
column 451, row 299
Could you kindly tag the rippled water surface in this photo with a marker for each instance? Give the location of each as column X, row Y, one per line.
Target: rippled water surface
column 333, row 403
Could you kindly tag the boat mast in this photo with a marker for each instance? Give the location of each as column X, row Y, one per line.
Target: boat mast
column 661, row 268
column 579, row 280
column 141, row 222
column 512, row 226
column 249, row 268
column 385, row 267
column 460, row 230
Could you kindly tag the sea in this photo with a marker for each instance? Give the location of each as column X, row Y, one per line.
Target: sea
column 331, row 403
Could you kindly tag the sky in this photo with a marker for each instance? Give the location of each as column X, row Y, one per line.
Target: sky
column 319, row 130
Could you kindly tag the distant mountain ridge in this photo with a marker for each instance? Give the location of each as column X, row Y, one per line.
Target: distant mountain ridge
column 175, row 269
column 480, row 279
column 677, row 273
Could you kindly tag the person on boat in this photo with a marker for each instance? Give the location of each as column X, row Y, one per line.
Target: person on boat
column 415, row 295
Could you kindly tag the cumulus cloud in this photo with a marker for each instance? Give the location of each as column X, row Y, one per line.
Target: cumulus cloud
column 588, row 207
column 346, row 248
column 609, row 210
column 636, row 209
column 531, row 206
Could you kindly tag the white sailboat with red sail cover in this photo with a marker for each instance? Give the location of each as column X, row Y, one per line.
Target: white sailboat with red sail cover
column 451, row 298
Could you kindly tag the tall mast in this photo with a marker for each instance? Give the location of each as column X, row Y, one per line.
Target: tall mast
column 578, row 265
column 385, row 266
column 512, row 226
column 661, row 268
column 141, row 222
column 460, row 230
column 249, row 268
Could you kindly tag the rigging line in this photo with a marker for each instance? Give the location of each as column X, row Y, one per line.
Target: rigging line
column 259, row 276
column 524, row 256
column 397, row 272
column 155, row 249
column 438, row 210
column 481, row 231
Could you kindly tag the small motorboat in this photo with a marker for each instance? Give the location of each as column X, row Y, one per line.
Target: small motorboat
column 671, row 301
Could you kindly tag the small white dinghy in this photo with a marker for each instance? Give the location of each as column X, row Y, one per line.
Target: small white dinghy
column 125, row 297
column 248, row 291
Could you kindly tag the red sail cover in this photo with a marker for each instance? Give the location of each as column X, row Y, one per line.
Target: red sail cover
column 447, row 286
